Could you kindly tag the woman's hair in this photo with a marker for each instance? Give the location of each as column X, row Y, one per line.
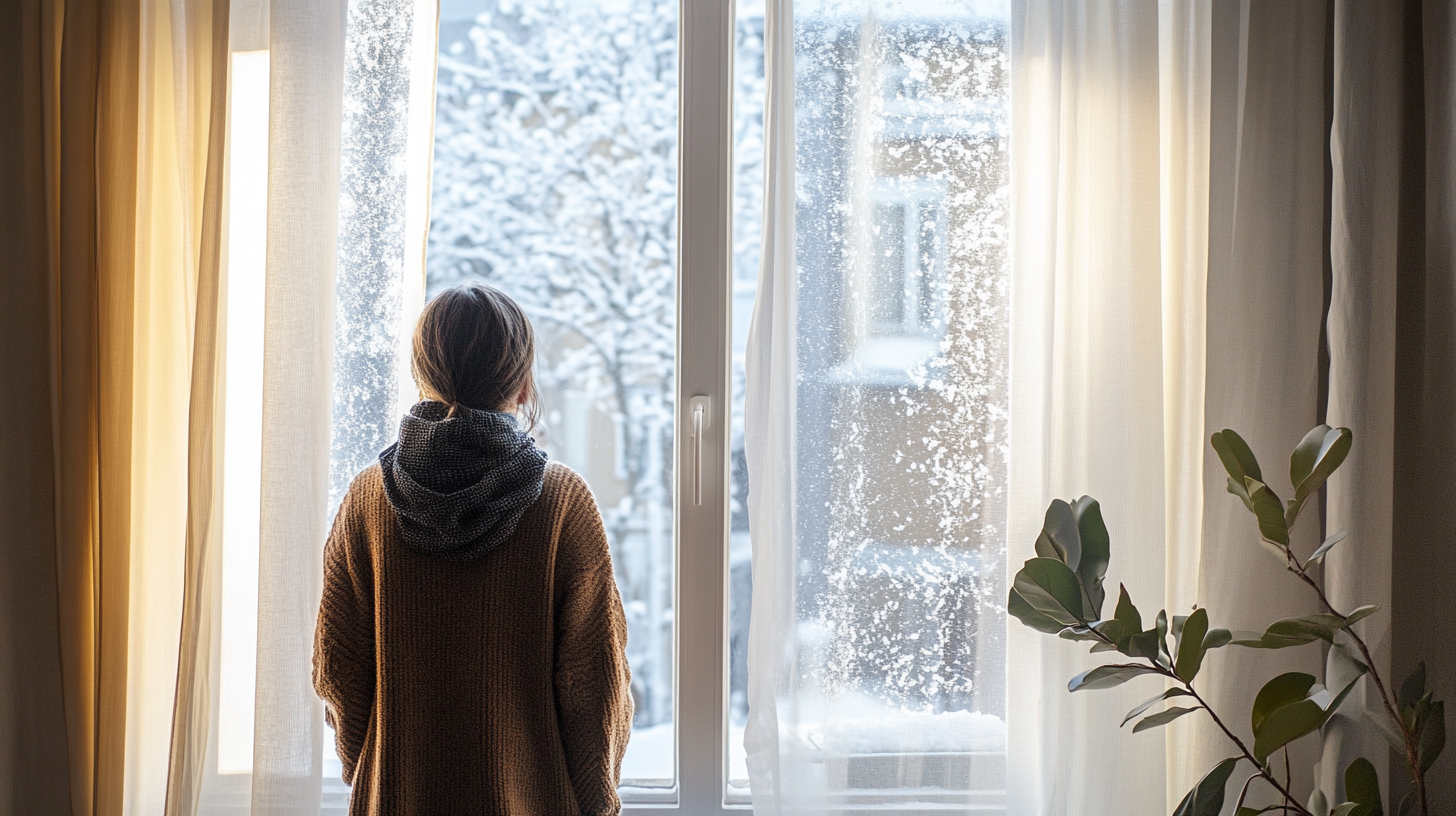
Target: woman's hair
column 474, row 347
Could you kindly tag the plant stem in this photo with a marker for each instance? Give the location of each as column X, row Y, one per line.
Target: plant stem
column 1412, row 759
column 1268, row 777
column 1288, row 777
column 1249, row 755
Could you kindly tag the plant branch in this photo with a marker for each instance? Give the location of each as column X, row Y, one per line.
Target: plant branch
column 1268, row 777
column 1244, row 749
column 1288, row 777
column 1411, row 757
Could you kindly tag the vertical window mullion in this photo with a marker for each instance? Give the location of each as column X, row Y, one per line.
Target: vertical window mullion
column 704, row 253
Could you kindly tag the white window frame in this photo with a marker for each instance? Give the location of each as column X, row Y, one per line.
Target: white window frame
column 704, row 346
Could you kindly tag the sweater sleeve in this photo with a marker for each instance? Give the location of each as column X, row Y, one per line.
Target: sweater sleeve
column 592, row 679
column 343, row 647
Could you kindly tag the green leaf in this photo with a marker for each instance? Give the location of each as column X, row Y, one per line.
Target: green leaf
column 1269, row 510
column 1408, row 804
column 1052, row 589
column 1361, row 613
column 1413, row 688
column 1294, row 719
column 1316, row 456
column 1433, row 736
column 1105, row 677
column 1344, row 809
column 1096, row 552
column 1143, row 644
column 1023, row 611
column 1248, row 811
column 1162, row 629
column 1217, row 639
column 1206, row 798
column 1236, row 456
column 1190, row 646
column 1115, row 631
column 1278, row 553
column 1318, row 804
column 1238, row 488
column 1078, row 633
column 1059, row 538
column 1152, row 701
column 1293, row 632
column 1126, row 614
column 1163, row 717
column 1362, row 787
column 1290, row 687
column 1324, row 548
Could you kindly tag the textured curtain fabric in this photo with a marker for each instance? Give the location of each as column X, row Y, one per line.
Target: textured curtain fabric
column 306, row 70
column 769, row 413
column 1392, row 349
column 1265, row 299
column 35, row 766
column 1109, row 182
column 122, row 174
column 1424, row 473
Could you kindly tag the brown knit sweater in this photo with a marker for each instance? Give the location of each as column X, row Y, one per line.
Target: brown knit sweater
column 497, row 685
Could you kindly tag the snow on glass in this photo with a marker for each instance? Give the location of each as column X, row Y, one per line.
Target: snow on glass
column 902, row 234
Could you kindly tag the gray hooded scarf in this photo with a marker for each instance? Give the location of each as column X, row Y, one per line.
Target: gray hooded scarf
column 461, row 483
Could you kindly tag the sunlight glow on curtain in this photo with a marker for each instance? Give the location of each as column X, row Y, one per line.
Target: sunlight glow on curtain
column 1109, row 174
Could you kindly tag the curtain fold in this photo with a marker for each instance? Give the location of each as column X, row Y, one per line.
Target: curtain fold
column 769, row 415
column 306, row 75
column 1100, row 134
column 1265, row 300
column 34, row 768
column 119, row 95
column 1365, row 163
column 1424, row 479
column 196, row 680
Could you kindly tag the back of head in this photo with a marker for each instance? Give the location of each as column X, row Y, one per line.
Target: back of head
column 474, row 347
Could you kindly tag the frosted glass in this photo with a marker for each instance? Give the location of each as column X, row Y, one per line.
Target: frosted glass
column 901, row 172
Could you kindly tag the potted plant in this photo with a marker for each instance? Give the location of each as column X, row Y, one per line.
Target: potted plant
column 1060, row 592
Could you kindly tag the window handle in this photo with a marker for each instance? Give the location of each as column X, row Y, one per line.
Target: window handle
column 701, row 408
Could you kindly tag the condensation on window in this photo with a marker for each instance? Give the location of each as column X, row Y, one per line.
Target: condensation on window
column 373, row 185
column 902, row 228
column 381, row 192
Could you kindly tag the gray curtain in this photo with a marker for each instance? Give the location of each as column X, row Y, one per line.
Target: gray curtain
column 1332, row 298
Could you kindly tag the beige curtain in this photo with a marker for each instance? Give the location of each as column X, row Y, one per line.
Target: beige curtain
column 1329, row 296
column 123, row 159
column 1265, row 300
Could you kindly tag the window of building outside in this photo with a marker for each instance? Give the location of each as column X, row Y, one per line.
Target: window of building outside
column 555, row 177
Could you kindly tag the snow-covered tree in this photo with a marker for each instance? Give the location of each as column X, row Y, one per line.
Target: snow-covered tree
column 555, row 180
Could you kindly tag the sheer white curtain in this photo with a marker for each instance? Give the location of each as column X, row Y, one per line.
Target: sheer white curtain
column 1151, row 275
column 1109, row 188
column 342, row 94
column 768, row 422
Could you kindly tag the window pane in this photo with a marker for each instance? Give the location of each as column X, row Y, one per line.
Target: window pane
column 901, row 165
column 555, row 180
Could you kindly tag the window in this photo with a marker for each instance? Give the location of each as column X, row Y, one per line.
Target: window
column 578, row 165
column 555, row 179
